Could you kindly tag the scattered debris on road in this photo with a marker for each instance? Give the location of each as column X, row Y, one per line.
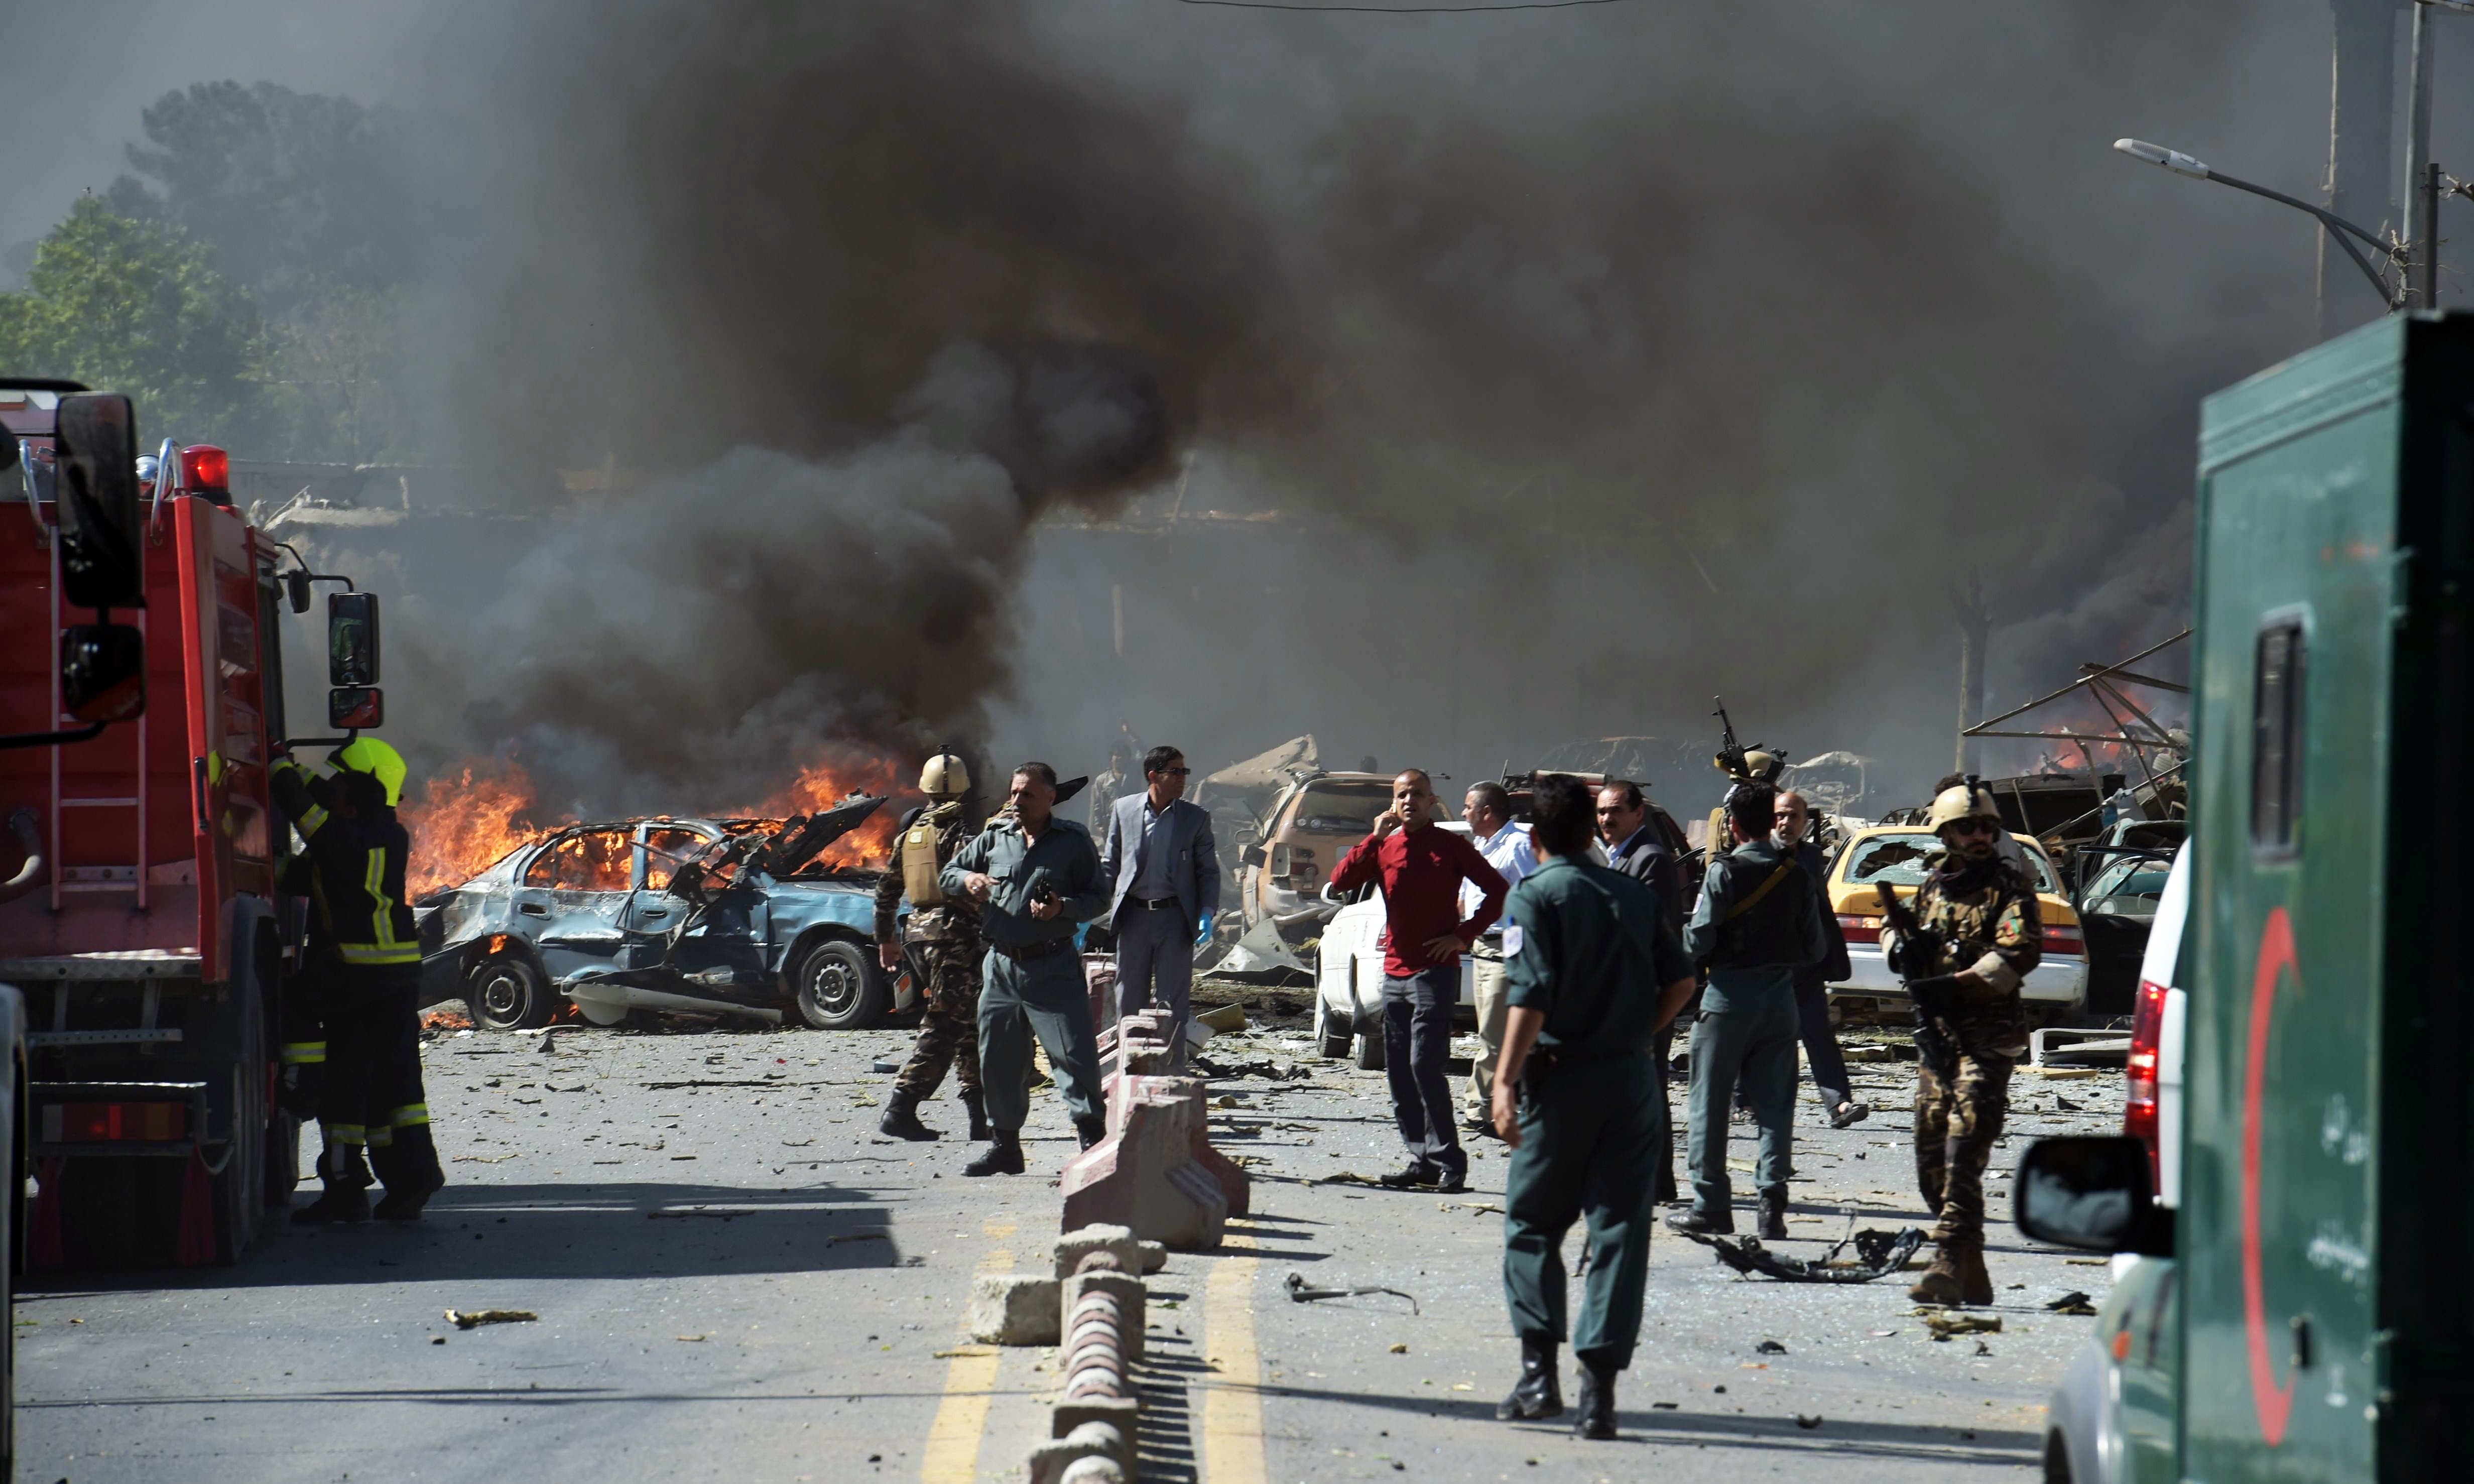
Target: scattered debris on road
column 1769, row 1348
column 1946, row 1322
column 2072, row 1302
column 1808, row 1424
column 1876, row 1252
column 1301, row 1292
column 472, row 1318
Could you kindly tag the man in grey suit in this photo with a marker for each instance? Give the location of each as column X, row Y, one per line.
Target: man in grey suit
column 1163, row 872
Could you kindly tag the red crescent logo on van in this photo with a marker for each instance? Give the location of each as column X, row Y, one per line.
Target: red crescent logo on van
column 2276, row 1403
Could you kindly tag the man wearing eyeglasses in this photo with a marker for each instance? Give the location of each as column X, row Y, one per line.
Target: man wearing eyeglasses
column 1163, row 869
column 1982, row 910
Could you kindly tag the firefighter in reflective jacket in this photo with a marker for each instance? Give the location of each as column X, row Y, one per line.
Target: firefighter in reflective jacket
column 362, row 979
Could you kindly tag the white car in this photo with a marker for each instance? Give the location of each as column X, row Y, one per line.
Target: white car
column 1349, row 978
column 2090, row 1435
column 1894, row 856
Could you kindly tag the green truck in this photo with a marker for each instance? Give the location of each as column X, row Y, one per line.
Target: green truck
column 2318, row 1310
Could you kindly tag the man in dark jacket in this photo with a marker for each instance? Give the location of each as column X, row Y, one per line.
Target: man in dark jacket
column 364, row 977
column 1821, row 1054
column 1634, row 847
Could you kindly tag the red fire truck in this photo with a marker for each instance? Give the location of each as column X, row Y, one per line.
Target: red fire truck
column 143, row 923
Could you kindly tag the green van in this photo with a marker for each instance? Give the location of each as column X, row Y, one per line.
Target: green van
column 2321, row 1313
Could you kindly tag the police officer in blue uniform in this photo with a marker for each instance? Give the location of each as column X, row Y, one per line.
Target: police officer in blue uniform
column 1592, row 968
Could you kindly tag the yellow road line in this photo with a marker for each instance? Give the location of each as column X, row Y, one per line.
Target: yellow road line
column 953, row 1452
column 1232, row 1409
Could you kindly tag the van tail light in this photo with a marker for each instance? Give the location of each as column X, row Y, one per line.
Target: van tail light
column 2139, row 1110
column 2062, row 939
column 1860, row 930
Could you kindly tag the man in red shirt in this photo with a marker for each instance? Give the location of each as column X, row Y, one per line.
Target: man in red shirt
column 1421, row 870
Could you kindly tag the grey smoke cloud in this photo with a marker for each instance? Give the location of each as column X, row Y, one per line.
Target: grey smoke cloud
column 1601, row 359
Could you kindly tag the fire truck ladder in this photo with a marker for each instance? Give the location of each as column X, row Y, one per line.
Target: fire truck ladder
column 103, row 878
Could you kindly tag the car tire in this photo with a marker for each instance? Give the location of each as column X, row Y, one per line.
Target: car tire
column 1369, row 1051
column 1335, row 1034
column 507, row 992
column 2057, row 1459
column 839, row 988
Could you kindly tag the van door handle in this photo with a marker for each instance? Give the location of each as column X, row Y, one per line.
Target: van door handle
column 656, row 912
column 532, row 909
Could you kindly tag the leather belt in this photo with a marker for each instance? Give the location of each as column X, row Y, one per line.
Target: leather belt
column 1155, row 904
column 1039, row 950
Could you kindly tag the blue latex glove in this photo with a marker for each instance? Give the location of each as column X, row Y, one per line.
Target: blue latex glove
column 1202, row 935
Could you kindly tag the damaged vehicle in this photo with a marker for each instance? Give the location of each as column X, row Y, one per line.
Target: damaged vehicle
column 712, row 917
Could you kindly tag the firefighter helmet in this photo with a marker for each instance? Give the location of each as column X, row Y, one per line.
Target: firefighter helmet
column 371, row 756
column 1958, row 802
column 945, row 776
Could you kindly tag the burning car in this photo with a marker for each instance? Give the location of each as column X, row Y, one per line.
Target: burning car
column 732, row 917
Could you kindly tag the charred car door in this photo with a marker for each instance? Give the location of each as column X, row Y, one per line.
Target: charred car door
column 571, row 894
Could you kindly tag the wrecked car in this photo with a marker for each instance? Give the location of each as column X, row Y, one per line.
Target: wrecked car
column 723, row 918
column 1896, row 856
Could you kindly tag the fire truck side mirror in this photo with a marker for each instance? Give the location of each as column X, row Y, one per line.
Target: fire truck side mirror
column 296, row 590
column 355, row 709
column 101, row 531
column 103, row 671
column 352, row 639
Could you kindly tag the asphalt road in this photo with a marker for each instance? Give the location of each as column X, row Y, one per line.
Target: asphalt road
column 736, row 1279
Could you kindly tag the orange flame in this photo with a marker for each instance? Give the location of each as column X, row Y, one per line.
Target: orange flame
column 823, row 785
column 460, row 826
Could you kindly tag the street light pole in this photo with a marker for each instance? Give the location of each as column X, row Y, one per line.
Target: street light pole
column 2339, row 229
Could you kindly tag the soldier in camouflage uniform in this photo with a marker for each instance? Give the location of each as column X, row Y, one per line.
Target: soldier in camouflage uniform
column 945, row 938
column 1983, row 909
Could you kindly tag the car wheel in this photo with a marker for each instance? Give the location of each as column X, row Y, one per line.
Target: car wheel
column 1369, row 1051
column 840, row 989
column 1335, row 1034
column 507, row 993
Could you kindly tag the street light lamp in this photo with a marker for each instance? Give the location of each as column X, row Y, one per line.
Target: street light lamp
column 2339, row 227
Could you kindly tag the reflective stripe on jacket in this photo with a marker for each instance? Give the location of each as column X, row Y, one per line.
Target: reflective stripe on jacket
column 357, row 873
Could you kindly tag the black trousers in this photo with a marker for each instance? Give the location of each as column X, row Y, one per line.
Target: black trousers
column 374, row 1099
column 1821, row 1054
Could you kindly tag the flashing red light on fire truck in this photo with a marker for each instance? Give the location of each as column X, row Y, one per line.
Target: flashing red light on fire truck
column 207, row 470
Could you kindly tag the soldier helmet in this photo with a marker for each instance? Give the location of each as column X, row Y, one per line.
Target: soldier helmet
column 375, row 758
column 1958, row 802
column 945, row 776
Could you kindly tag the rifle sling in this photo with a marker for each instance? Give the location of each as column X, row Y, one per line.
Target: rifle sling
column 1762, row 890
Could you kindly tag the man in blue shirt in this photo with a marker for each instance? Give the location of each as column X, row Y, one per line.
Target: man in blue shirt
column 1505, row 844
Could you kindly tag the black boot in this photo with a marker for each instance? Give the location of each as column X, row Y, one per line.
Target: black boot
column 339, row 1202
column 1597, row 1408
column 1705, row 1222
column 901, row 1120
column 1539, row 1391
column 978, row 1104
column 1771, row 1225
column 404, row 1203
column 1002, row 1157
column 1090, row 1130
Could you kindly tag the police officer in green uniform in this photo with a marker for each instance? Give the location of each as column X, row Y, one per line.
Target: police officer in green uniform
column 364, row 980
column 1037, row 877
column 1593, row 969
column 943, row 934
column 1981, row 910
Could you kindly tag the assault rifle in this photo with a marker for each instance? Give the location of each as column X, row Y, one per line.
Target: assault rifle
column 1917, row 961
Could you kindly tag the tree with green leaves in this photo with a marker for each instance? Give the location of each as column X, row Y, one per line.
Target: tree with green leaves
column 137, row 306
